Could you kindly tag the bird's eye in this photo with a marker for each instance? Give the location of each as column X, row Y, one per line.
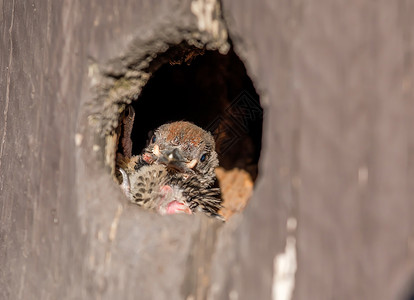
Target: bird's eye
column 203, row 157
column 153, row 139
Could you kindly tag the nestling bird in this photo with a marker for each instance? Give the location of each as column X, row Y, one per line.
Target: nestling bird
column 175, row 173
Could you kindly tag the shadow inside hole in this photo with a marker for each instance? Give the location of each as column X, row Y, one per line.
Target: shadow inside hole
column 215, row 93
column 409, row 293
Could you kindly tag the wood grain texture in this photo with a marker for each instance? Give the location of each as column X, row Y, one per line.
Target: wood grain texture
column 336, row 84
column 337, row 81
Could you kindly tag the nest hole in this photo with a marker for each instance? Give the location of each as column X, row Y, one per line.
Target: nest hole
column 213, row 91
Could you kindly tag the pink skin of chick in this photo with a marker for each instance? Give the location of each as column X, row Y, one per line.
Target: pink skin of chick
column 173, row 207
column 166, row 205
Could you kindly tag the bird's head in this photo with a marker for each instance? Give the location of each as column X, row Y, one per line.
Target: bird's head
column 185, row 149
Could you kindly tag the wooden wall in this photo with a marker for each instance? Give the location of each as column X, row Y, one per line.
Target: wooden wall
column 336, row 84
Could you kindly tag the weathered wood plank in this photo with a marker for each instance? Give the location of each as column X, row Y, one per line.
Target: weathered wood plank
column 336, row 83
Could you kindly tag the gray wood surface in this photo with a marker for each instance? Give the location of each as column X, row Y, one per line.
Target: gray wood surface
column 336, row 83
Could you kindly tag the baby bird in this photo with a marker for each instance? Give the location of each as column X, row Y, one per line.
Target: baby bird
column 151, row 188
column 175, row 172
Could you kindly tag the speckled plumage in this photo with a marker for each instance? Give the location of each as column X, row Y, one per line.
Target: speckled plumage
column 176, row 167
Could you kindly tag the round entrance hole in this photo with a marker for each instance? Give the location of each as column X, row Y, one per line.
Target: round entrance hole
column 213, row 91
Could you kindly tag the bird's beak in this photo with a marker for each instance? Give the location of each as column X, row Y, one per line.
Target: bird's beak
column 173, row 159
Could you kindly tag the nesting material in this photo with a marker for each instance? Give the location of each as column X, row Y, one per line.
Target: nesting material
column 236, row 188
